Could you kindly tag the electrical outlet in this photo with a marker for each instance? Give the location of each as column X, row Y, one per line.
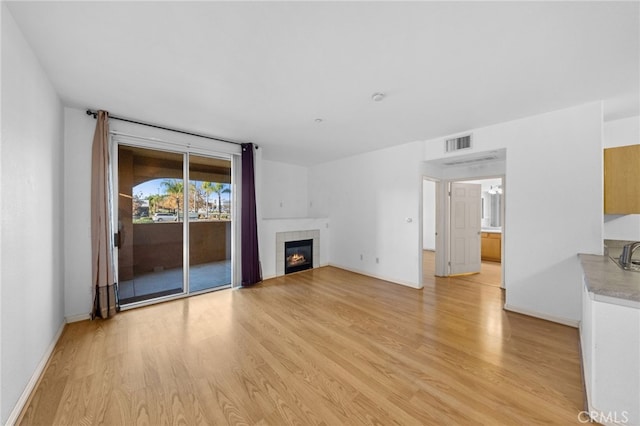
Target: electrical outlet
column 377, row 260
column 361, row 257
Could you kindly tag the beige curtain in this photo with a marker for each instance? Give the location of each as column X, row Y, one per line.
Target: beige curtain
column 104, row 288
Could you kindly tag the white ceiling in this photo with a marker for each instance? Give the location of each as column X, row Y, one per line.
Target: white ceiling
column 264, row 71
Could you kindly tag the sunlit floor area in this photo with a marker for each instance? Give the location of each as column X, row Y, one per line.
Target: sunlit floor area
column 163, row 283
column 490, row 272
column 320, row 347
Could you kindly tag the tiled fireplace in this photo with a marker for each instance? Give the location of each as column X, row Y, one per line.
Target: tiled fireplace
column 302, row 246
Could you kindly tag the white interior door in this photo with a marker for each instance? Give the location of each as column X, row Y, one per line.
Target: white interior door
column 465, row 228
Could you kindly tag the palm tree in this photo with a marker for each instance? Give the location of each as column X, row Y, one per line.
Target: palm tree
column 175, row 189
column 154, row 201
column 216, row 188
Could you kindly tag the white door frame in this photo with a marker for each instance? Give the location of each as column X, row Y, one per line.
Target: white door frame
column 439, row 258
column 442, row 238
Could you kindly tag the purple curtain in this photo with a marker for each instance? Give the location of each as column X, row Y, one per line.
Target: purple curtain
column 105, row 293
column 251, row 271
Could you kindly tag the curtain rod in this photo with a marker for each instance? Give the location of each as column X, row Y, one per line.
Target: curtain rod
column 128, row 120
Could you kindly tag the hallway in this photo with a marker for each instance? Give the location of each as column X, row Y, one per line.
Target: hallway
column 490, row 272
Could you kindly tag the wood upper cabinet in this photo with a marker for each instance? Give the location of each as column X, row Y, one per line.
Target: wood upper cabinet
column 622, row 180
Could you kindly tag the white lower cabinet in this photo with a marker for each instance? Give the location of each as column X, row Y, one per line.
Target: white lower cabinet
column 610, row 341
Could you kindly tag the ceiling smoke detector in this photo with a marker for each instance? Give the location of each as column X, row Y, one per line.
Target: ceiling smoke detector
column 377, row 97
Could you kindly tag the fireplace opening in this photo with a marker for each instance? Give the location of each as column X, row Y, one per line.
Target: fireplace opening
column 298, row 255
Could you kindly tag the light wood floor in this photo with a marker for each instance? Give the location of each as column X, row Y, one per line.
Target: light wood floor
column 324, row 347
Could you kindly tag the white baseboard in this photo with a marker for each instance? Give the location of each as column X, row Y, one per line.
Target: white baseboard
column 35, row 378
column 379, row 277
column 76, row 318
column 564, row 321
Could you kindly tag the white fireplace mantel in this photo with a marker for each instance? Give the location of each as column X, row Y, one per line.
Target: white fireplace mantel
column 273, row 233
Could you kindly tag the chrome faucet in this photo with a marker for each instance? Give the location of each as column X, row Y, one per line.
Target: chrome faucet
column 627, row 253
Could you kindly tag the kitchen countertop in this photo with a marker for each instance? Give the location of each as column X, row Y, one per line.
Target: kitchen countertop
column 609, row 283
column 491, row 230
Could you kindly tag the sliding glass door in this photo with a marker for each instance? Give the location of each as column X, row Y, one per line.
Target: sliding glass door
column 174, row 223
column 209, row 220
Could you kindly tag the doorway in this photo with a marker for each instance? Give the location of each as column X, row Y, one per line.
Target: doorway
column 491, row 231
column 174, row 223
column 438, row 232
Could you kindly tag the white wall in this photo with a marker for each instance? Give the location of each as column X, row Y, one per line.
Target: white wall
column 78, row 138
column 283, row 206
column 553, row 208
column 284, row 190
column 622, row 133
column 368, row 199
column 428, row 215
column 32, row 222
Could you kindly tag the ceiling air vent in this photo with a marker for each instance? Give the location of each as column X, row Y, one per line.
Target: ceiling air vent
column 456, row 144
